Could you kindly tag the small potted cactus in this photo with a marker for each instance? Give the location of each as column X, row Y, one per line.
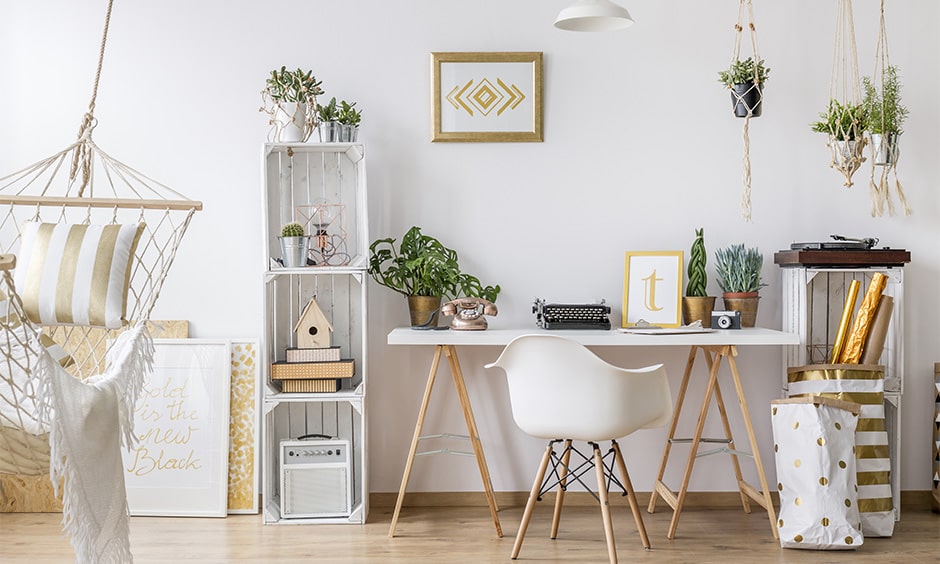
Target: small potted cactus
column 294, row 245
column 697, row 305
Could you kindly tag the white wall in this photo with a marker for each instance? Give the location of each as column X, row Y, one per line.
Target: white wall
column 640, row 148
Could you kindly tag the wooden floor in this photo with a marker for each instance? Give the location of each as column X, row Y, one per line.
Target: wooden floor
column 466, row 534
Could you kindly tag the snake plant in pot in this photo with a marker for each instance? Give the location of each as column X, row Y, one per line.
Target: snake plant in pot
column 697, row 305
column 739, row 277
column 425, row 271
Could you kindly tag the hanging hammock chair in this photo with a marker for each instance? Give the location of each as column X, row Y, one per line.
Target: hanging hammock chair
column 886, row 116
column 93, row 241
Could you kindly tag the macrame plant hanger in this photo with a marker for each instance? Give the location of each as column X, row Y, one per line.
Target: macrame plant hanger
column 845, row 119
column 885, row 150
column 35, row 441
column 750, row 99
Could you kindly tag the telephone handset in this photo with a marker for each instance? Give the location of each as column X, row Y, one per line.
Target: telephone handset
column 468, row 313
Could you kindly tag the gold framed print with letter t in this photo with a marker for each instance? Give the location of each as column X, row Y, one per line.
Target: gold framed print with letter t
column 490, row 96
column 652, row 288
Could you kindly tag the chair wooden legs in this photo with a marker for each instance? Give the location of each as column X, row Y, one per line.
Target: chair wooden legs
column 605, row 505
column 530, row 505
column 563, row 481
column 631, row 496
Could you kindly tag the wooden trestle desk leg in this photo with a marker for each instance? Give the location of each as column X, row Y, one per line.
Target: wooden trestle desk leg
column 675, row 501
column 471, row 429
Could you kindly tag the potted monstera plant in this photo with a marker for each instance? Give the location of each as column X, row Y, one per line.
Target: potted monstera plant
column 739, row 277
column 745, row 79
column 425, row 271
column 697, row 305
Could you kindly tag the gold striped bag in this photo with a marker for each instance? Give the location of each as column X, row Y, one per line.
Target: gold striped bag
column 76, row 274
column 862, row 384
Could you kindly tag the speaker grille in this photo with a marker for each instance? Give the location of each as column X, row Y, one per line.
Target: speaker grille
column 316, row 492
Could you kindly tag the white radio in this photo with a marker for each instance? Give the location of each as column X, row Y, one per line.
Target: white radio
column 315, row 478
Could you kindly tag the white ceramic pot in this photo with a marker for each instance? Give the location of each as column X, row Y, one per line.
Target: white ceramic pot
column 290, row 121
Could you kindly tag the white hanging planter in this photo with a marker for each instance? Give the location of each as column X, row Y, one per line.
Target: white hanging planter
column 290, row 122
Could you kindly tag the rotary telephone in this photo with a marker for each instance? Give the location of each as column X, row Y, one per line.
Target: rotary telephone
column 468, row 313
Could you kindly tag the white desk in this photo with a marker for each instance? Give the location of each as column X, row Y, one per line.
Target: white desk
column 715, row 346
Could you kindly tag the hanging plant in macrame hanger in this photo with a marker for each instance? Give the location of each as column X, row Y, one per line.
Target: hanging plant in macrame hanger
column 844, row 119
column 745, row 79
column 885, row 118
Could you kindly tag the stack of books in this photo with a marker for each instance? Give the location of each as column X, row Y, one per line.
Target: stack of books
column 312, row 370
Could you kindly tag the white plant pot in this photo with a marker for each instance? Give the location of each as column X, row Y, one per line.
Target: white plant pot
column 290, row 121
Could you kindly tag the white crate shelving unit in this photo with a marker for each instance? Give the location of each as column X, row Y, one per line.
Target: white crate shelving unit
column 295, row 176
column 813, row 300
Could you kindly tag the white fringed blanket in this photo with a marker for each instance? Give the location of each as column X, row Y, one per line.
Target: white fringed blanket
column 89, row 422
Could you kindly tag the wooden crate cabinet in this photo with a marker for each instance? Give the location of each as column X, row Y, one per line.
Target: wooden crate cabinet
column 296, row 176
column 813, row 300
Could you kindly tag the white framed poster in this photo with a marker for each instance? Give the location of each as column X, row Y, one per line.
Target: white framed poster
column 179, row 466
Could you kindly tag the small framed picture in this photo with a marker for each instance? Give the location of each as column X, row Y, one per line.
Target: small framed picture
column 652, row 288
column 488, row 96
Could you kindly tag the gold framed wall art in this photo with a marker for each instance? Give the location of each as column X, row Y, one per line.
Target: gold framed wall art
column 652, row 288
column 486, row 96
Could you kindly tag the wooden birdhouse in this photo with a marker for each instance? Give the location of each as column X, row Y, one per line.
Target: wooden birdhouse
column 313, row 328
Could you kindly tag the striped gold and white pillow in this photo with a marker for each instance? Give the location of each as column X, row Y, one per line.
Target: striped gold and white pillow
column 76, row 274
column 11, row 319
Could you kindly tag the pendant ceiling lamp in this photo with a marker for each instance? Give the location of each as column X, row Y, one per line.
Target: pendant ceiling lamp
column 593, row 15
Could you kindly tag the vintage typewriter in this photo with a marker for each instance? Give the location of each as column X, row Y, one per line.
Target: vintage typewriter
column 571, row 316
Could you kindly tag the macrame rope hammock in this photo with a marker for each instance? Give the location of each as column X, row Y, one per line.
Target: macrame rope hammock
column 885, row 126
column 844, row 118
column 47, row 367
column 747, row 99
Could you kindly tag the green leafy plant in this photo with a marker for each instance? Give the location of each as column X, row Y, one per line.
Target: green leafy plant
column 293, row 86
column 698, row 279
column 884, row 112
column 422, row 266
column 842, row 121
column 742, row 72
column 328, row 112
column 292, row 229
column 739, row 269
column 348, row 115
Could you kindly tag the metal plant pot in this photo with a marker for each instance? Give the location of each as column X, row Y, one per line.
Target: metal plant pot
column 329, row 131
column 886, row 148
column 348, row 133
column 746, row 303
column 424, row 310
column 695, row 308
column 747, row 96
column 294, row 251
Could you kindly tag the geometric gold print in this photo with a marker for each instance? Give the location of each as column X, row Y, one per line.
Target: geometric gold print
column 484, row 96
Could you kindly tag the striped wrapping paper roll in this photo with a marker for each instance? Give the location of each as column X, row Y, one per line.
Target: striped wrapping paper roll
column 862, row 384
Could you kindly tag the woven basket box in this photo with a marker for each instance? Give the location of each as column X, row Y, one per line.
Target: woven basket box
column 310, row 386
column 313, row 355
column 313, row 370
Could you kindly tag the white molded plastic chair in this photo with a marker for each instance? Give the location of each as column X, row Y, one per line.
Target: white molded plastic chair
column 561, row 391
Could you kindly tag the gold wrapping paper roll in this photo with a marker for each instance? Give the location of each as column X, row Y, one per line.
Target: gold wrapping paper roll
column 875, row 343
column 844, row 322
column 852, row 352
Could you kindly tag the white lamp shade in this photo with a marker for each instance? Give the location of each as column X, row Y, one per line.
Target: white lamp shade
column 593, row 15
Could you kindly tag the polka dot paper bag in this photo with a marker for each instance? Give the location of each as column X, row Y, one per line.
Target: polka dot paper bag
column 814, row 449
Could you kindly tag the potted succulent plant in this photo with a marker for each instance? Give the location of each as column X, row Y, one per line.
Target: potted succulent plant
column 349, row 119
column 290, row 98
column 697, row 305
column 328, row 116
column 746, row 79
column 294, row 245
column 423, row 270
column 885, row 115
column 739, row 277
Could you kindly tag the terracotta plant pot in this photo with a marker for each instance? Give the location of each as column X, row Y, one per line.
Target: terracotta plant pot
column 746, row 303
column 424, row 310
column 698, row 308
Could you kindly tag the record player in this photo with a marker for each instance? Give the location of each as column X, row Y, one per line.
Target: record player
column 841, row 252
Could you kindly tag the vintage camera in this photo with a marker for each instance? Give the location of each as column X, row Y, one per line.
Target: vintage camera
column 726, row 320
